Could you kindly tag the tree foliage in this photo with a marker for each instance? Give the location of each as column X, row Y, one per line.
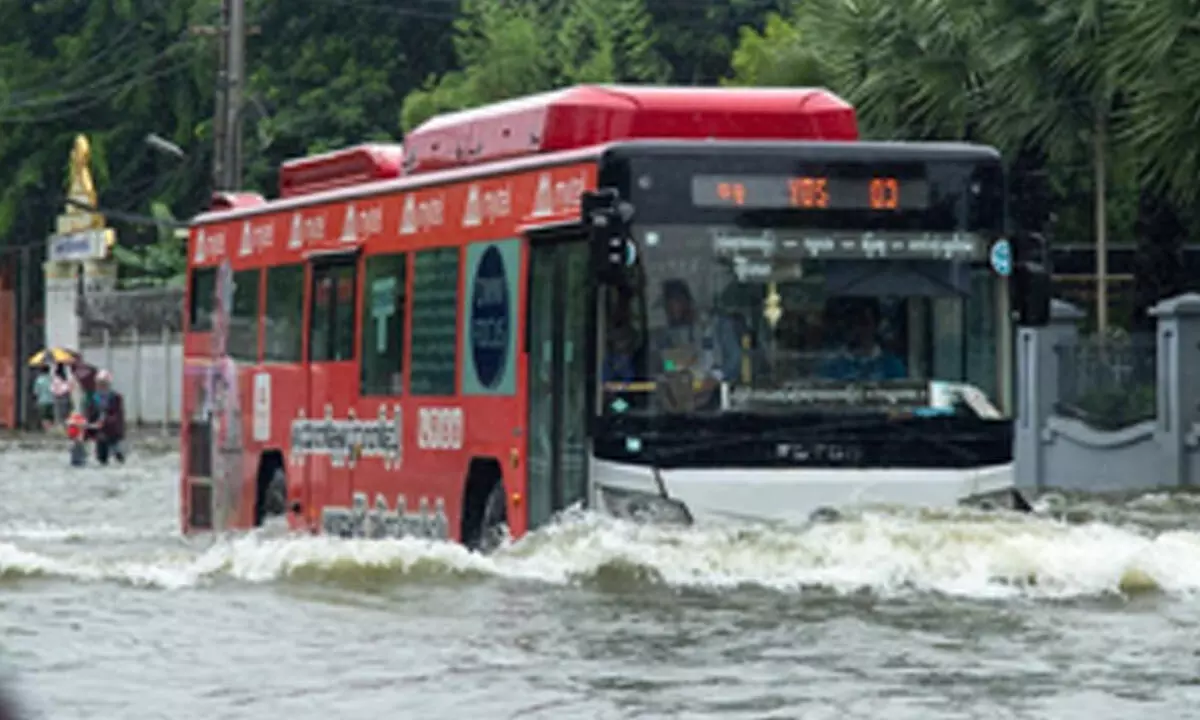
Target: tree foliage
column 1091, row 102
column 1070, row 92
column 115, row 71
column 509, row 49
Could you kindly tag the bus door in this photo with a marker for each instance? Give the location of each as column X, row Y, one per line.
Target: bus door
column 557, row 385
column 332, row 374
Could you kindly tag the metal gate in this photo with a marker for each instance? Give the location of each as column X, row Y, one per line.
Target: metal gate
column 10, row 381
column 22, row 329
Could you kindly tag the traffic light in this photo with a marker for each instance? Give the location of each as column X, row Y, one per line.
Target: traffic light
column 608, row 218
column 1030, row 287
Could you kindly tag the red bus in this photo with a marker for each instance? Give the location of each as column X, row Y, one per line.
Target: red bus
column 465, row 335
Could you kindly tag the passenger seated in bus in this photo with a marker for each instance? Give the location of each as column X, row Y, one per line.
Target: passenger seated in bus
column 711, row 345
column 862, row 357
column 621, row 356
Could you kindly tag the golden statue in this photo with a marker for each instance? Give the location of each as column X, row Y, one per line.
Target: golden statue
column 82, row 188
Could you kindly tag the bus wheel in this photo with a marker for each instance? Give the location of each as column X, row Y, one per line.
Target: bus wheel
column 493, row 522
column 270, row 497
column 275, row 495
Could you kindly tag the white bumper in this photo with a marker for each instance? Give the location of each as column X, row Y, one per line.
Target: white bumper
column 792, row 495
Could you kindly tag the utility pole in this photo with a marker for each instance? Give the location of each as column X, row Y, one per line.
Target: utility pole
column 220, row 118
column 231, row 89
column 234, row 100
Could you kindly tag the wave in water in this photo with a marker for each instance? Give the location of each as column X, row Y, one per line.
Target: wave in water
column 958, row 554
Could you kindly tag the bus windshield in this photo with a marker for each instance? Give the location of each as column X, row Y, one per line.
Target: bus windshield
column 716, row 319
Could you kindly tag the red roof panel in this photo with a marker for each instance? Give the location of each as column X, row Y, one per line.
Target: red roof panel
column 340, row 168
column 588, row 115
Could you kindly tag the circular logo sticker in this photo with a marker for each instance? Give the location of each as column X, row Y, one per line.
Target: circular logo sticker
column 1001, row 258
column 490, row 318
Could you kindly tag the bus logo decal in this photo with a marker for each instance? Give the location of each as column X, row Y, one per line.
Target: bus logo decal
column 418, row 216
column 557, row 197
column 408, row 223
column 543, row 202
column 361, row 224
column 346, row 440
column 486, row 206
column 209, row 246
column 247, row 246
column 296, row 238
column 472, row 217
column 349, row 226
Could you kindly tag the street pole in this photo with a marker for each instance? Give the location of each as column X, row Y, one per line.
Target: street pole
column 219, row 115
column 231, row 89
column 236, row 88
column 24, row 324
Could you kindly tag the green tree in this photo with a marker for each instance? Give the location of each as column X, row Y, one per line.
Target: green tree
column 697, row 37
column 1051, row 85
column 776, row 57
column 328, row 74
column 160, row 263
column 511, row 49
column 115, row 72
column 1154, row 53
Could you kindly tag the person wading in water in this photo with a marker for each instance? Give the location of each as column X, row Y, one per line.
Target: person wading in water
column 106, row 413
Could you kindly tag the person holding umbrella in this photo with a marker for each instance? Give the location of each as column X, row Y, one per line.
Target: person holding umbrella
column 60, row 387
column 43, row 396
column 56, row 361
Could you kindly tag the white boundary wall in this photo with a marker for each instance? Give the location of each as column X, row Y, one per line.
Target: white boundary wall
column 147, row 370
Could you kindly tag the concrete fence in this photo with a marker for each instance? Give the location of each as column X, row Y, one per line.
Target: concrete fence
column 1110, row 415
column 136, row 335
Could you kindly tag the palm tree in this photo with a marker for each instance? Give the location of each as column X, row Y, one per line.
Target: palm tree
column 912, row 68
column 1156, row 54
column 1051, row 84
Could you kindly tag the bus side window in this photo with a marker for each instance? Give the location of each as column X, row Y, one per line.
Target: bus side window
column 283, row 339
column 243, row 317
column 383, row 309
column 202, row 299
column 433, row 347
column 331, row 333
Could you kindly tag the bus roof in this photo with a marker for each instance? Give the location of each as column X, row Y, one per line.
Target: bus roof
column 587, row 115
column 551, row 125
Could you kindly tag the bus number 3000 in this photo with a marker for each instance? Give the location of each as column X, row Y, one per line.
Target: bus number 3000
column 440, row 428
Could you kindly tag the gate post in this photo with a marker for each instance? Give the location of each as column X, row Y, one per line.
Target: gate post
column 1177, row 387
column 1038, row 363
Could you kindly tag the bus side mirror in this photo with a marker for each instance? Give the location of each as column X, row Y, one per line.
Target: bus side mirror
column 1030, row 284
column 607, row 218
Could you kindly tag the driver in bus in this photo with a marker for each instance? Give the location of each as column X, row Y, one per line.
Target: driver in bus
column 707, row 347
column 862, row 358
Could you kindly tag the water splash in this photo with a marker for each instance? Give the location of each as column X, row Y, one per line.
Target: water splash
column 965, row 555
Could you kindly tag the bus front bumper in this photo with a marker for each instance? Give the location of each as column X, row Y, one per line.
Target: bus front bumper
column 790, row 496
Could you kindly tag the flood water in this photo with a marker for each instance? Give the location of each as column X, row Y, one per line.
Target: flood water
column 106, row 612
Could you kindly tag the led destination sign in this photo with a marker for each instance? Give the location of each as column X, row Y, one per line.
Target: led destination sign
column 815, row 191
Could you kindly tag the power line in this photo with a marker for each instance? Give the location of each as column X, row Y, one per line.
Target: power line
column 86, row 103
column 65, row 85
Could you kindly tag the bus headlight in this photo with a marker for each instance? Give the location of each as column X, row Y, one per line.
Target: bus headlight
column 643, row 507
